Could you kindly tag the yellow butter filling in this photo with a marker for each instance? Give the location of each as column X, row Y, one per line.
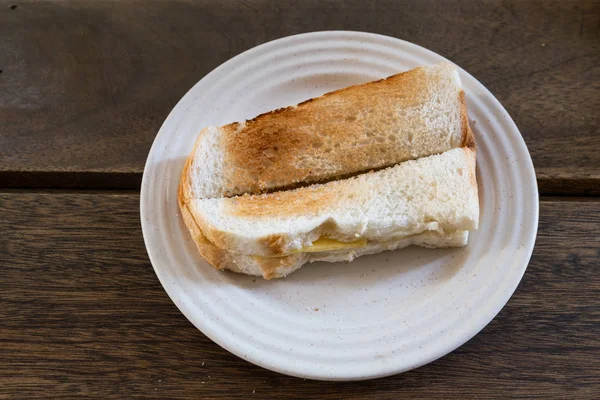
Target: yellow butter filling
column 327, row 244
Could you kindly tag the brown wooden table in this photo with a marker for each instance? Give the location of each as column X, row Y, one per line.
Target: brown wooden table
column 84, row 87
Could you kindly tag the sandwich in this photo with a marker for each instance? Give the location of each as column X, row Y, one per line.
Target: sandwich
column 403, row 174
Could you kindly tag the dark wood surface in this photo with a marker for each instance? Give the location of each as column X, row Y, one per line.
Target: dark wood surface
column 85, row 85
column 83, row 315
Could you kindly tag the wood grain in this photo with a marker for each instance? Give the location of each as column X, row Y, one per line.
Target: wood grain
column 85, row 85
column 83, row 316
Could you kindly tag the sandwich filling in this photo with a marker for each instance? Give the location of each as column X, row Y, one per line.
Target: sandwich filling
column 327, row 244
column 322, row 245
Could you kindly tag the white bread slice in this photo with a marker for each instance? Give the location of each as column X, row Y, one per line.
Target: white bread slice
column 378, row 124
column 436, row 193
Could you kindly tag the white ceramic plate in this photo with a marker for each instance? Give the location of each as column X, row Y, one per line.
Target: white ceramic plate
column 381, row 314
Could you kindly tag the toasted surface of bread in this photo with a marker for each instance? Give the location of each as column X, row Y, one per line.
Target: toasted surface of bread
column 406, row 116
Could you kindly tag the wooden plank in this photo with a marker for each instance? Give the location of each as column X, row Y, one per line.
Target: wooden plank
column 83, row 315
column 85, row 85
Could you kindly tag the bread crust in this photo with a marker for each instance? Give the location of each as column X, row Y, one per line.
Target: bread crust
column 218, row 258
column 472, row 157
column 467, row 138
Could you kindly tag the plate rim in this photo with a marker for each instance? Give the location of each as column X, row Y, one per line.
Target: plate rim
column 527, row 169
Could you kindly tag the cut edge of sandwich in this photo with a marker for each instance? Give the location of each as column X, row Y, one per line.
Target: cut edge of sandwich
column 279, row 267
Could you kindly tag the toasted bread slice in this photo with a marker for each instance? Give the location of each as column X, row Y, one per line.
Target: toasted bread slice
column 430, row 201
column 375, row 125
